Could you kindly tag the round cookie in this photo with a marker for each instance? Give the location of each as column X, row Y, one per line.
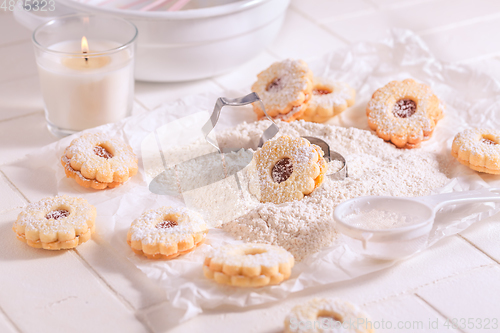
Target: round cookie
column 329, row 98
column 327, row 315
column 479, row 149
column 248, row 265
column 404, row 113
column 286, row 169
column 97, row 161
column 166, row 233
column 56, row 223
column 284, row 88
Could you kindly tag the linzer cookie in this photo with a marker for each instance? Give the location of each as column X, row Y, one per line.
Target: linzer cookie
column 327, row 315
column 94, row 160
column 166, row 233
column 479, row 149
column 56, row 223
column 284, row 88
column 329, row 98
column 286, row 169
column 404, row 113
column 248, row 265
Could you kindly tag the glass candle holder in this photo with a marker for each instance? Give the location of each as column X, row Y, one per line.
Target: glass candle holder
column 86, row 69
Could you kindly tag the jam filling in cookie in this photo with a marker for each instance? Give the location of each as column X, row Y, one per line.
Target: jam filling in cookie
column 57, row 214
column 322, row 91
column 275, row 85
column 488, row 139
column 102, row 152
column 166, row 224
column 488, row 142
column 404, row 108
column 282, row 170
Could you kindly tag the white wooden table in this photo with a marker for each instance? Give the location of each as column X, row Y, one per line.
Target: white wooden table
column 92, row 289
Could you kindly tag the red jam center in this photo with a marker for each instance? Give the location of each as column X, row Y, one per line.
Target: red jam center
column 488, row 141
column 321, row 92
column 166, row 224
column 282, row 170
column 274, row 86
column 57, row 214
column 404, row 108
column 102, row 152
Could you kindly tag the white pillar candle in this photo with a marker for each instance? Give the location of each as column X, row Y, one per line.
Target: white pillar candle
column 82, row 92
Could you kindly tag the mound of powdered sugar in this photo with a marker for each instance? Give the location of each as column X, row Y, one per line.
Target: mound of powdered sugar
column 375, row 168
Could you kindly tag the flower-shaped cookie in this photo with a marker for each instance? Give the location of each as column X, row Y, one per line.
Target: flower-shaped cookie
column 329, row 98
column 248, row 265
column 284, row 88
column 166, row 233
column 479, row 149
column 328, row 315
column 404, row 113
column 56, row 223
column 286, row 169
column 97, row 161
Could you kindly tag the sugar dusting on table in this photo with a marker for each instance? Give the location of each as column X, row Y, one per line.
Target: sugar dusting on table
column 375, row 168
column 306, row 226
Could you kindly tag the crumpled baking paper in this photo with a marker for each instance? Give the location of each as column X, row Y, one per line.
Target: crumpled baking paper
column 472, row 100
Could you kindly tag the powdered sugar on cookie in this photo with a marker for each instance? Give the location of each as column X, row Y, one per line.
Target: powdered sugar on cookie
column 404, row 113
column 479, row 149
column 56, row 223
column 99, row 157
column 250, row 255
column 39, row 214
column 283, row 88
column 269, row 180
column 145, row 229
column 329, row 98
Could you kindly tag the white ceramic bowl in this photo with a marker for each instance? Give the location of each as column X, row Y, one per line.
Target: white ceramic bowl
column 197, row 43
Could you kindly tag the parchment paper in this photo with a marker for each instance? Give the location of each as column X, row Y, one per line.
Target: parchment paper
column 472, row 100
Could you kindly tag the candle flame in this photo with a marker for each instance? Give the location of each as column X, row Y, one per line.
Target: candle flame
column 85, row 45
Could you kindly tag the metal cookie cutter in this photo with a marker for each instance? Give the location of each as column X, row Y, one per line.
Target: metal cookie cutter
column 171, row 181
column 194, row 173
column 268, row 134
column 328, row 154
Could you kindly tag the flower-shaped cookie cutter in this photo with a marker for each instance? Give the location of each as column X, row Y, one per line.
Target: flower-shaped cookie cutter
column 164, row 184
column 268, row 134
column 328, row 154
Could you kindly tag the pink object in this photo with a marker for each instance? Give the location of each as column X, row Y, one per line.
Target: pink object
column 154, row 5
column 105, row 2
column 178, row 5
column 132, row 4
